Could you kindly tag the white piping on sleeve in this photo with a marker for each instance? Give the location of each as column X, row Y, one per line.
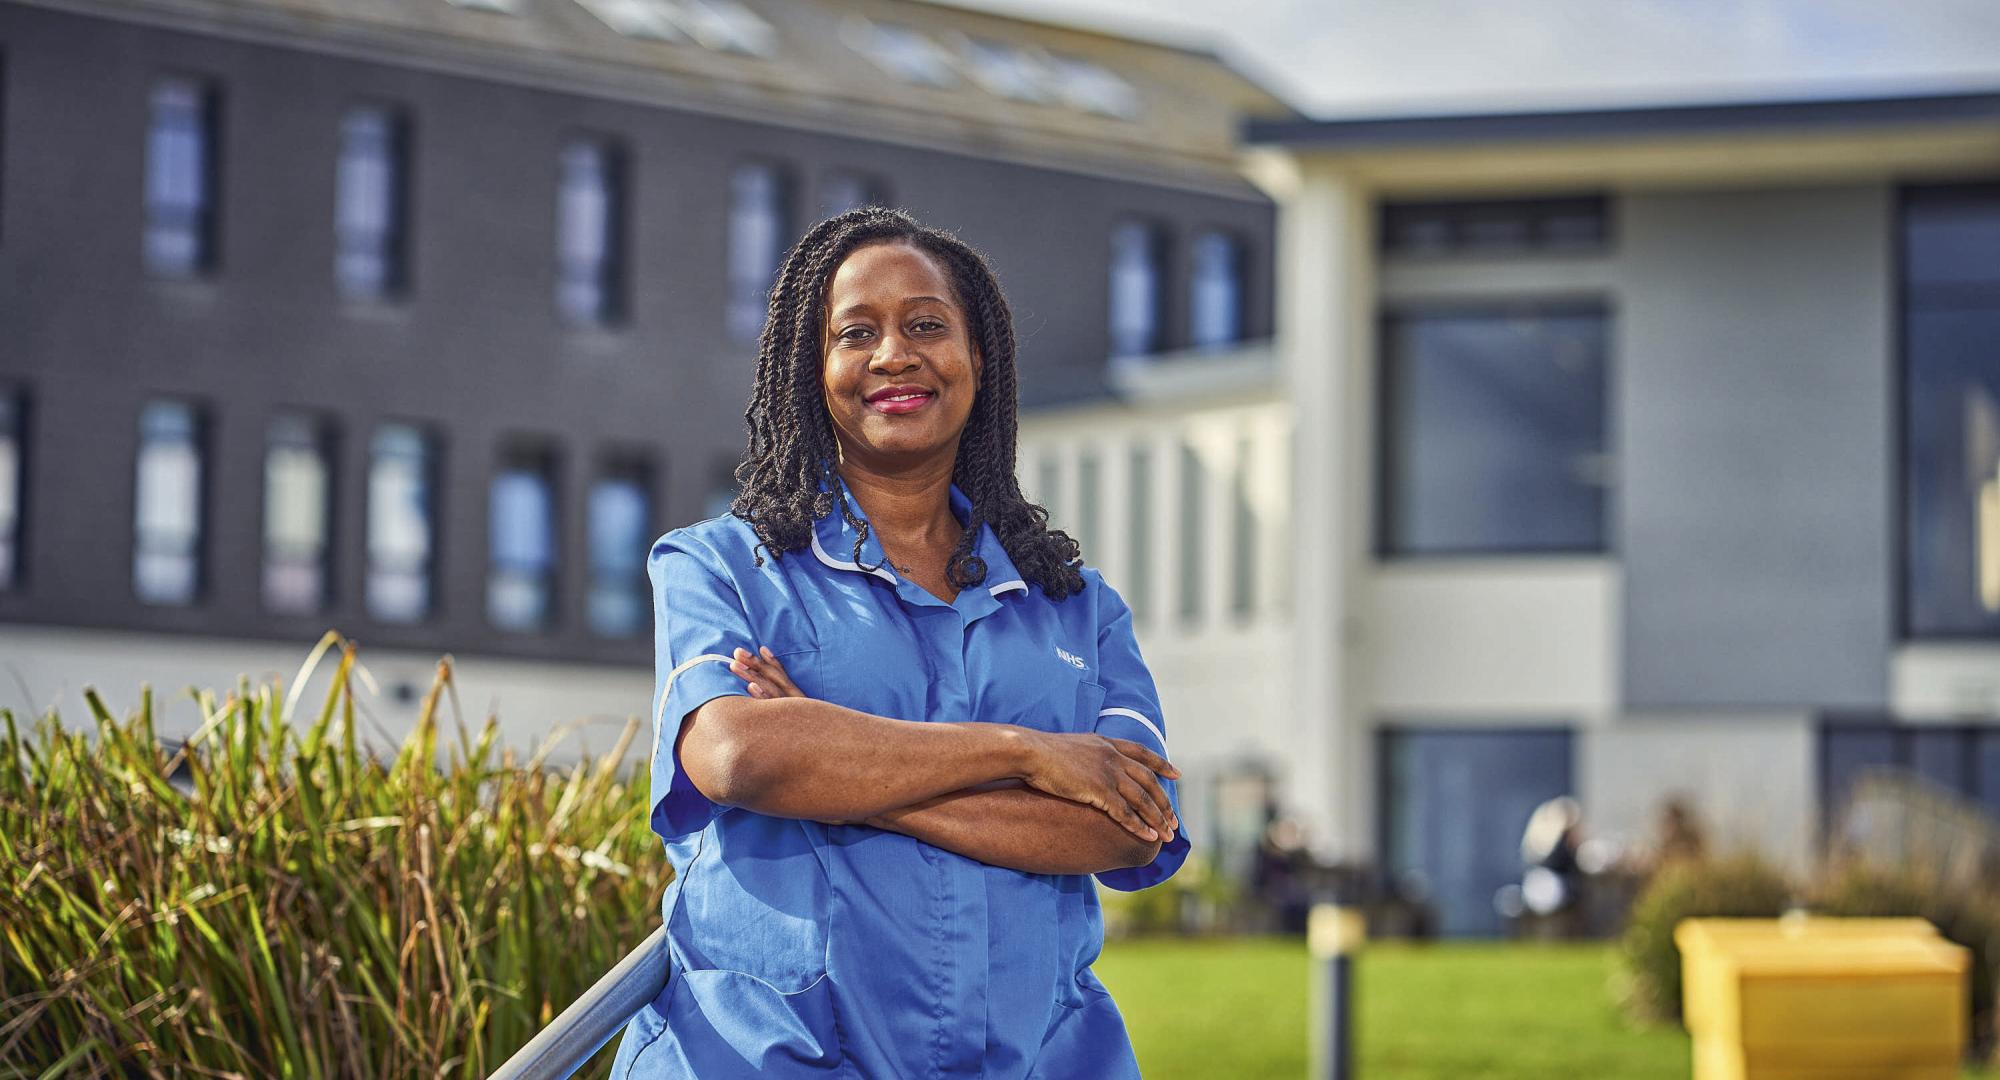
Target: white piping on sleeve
column 1150, row 726
column 660, row 710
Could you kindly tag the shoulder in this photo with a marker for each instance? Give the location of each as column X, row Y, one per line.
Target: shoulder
column 1098, row 604
column 724, row 544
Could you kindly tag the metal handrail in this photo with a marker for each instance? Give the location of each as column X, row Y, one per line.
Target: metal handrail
column 591, row 1020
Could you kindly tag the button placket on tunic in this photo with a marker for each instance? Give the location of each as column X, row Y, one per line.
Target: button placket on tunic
column 934, row 964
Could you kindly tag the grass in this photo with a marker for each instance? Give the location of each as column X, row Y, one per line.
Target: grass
column 1446, row 1011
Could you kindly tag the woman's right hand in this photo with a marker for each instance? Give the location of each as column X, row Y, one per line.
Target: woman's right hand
column 1117, row 776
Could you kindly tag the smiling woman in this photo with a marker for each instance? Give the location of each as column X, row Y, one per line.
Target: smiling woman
column 887, row 770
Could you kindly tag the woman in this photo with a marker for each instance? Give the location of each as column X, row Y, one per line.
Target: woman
column 893, row 742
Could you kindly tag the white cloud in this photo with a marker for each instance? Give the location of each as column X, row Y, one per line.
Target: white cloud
column 1392, row 56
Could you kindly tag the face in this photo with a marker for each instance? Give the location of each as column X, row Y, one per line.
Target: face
column 893, row 320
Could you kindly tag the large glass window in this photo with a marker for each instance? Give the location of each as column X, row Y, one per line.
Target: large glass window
column 298, row 504
column 759, row 230
column 180, row 178
column 1951, row 422
column 167, row 512
column 1137, row 254
column 13, row 476
column 1215, row 291
column 621, row 532
column 368, row 214
column 402, row 525
column 1958, row 758
column 1493, row 432
column 588, row 231
column 521, row 577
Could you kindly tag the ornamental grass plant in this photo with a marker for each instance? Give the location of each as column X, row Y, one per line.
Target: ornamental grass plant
column 267, row 899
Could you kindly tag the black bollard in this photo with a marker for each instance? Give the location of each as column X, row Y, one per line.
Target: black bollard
column 1333, row 934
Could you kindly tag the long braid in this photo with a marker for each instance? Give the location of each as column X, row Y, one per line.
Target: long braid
column 791, row 445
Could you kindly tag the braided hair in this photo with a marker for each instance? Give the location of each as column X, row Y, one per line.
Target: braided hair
column 792, row 446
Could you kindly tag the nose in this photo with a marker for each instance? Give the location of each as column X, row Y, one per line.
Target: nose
column 893, row 354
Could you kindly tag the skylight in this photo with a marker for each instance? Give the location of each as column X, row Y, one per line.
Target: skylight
column 1094, row 88
column 907, row 54
column 652, row 19
column 1009, row 70
column 722, row 25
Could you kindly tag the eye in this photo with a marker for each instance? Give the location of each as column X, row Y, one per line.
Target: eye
column 927, row 326
column 854, row 333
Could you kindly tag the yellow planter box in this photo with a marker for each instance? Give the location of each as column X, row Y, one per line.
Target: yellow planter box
column 1822, row 999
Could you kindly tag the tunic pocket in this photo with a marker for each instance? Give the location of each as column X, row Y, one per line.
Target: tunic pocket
column 726, row 1023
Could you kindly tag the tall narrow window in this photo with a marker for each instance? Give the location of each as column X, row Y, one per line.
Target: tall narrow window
column 1215, row 291
column 167, row 513
column 844, row 189
column 1194, row 555
column 1048, row 485
column 298, row 502
column 1089, row 499
column 180, row 179
column 368, row 216
column 402, row 526
column 1136, row 275
column 759, row 228
column 621, row 522
column 521, row 578
column 588, row 230
column 13, row 472
column 1243, row 532
column 1951, row 403
column 1138, row 590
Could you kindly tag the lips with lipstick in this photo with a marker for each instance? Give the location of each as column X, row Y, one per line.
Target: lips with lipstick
column 901, row 398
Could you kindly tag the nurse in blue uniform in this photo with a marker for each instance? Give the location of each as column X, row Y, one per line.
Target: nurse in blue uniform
column 899, row 725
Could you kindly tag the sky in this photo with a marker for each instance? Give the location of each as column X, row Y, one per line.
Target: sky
column 1382, row 57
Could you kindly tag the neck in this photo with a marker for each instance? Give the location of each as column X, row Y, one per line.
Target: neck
column 911, row 505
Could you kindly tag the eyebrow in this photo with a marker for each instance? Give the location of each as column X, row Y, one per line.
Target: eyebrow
column 853, row 308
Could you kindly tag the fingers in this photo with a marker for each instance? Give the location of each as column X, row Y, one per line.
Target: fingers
column 764, row 672
column 1156, row 794
column 1146, row 757
column 1121, row 812
column 1140, row 803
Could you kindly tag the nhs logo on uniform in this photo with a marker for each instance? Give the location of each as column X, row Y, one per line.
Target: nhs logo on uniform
column 1070, row 659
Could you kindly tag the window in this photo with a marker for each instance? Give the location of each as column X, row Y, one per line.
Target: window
column 843, row 190
column 1243, row 532
column 298, row 506
column 589, row 225
column 1951, row 419
column 653, row 19
column 904, row 53
column 180, row 179
column 1089, row 503
column 1194, row 556
column 1492, row 430
column 1960, row 758
column 1092, row 88
column 13, row 479
column 727, row 26
column 522, row 529
column 368, row 215
column 1009, row 70
column 759, row 226
column 1566, row 225
column 1136, row 276
column 621, row 535
column 1215, row 291
column 402, row 528
column 167, row 514
column 1048, row 483
column 1138, row 590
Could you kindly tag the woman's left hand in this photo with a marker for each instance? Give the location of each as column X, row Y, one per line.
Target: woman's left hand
column 768, row 680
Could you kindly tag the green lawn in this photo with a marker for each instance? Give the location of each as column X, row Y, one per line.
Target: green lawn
column 1494, row 1011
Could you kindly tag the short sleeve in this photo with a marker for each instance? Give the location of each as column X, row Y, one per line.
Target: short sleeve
column 1131, row 710
column 698, row 620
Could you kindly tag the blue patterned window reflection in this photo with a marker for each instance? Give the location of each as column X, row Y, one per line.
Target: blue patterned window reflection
column 522, row 541
column 167, row 514
column 759, row 232
column 620, row 535
column 1136, row 276
column 368, row 212
column 298, row 501
column 180, row 179
column 401, row 523
column 588, row 228
column 1215, row 291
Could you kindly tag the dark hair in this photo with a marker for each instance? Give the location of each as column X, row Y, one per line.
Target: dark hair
column 791, row 436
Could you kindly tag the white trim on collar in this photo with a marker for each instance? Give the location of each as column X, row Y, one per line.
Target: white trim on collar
column 838, row 564
column 1017, row 583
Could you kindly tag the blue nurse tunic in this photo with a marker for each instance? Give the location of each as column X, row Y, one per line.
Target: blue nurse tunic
column 803, row 949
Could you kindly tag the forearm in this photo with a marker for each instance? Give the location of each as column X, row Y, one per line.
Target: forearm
column 1008, row 824
column 806, row 758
